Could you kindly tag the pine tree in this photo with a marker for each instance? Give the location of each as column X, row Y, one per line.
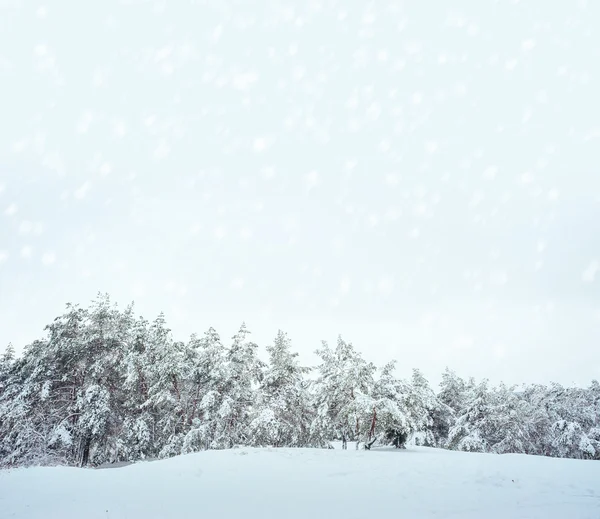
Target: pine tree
column 137, row 439
column 208, row 378
column 468, row 433
column 393, row 425
column 453, row 391
column 6, row 362
column 343, row 388
column 282, row 416
column 243, row 372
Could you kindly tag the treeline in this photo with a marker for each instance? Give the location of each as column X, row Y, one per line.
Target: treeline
column 104, row 385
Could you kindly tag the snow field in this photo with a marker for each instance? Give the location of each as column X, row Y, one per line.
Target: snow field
column 311, row 483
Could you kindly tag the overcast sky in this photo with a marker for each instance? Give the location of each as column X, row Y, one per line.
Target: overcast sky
column 423, row 181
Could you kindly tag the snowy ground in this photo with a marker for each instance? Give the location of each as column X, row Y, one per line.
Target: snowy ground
column 287, row 483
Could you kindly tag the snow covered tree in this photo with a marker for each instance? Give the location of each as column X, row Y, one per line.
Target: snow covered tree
column 393, row 425
column 453, row 391
column 137, row 439
column 6, row 362
column 431, row 417
column 468, row 433
column 242, row 374
column 573, row 422
column 207, row 373
column 342, row 393
column 103, row 337
column 509, row 422
column 165, row 377
column 282, row 416
column 495, row 420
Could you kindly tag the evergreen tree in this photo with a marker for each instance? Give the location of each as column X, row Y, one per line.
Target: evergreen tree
column 431, row 417
column 282, row 416
column 468, row 432
column 243, row 372
column 394, row 425
column 208, row 376
column 343, row 388
column 453, row 391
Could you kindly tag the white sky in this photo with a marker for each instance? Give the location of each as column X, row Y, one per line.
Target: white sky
column 423, row 181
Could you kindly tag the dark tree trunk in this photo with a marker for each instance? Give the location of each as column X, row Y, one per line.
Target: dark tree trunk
column 372, row 438
column 85, row 453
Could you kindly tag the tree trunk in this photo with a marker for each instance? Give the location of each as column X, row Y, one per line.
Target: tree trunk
column 194, row 406
column 371, row 438
column 85, row 452
column 373, row 424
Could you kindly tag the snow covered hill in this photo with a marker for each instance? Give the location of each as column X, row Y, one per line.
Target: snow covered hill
column 305, row 483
